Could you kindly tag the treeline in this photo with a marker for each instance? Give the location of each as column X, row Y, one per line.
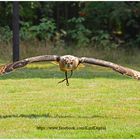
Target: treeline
column 96, row 24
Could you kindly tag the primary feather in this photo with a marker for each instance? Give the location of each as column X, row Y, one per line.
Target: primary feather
column 118, row 68
column 10, row 67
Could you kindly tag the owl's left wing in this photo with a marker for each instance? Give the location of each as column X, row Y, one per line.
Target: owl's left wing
column 115, row 67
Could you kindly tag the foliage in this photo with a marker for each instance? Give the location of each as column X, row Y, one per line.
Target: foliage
column 103, row 40
column 106, row 24
column 78, row 31
column 5, row 34
column 45, row 30
column 25, row 33
column 119, row 19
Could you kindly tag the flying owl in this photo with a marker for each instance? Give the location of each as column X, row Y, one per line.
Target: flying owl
column 69, row 63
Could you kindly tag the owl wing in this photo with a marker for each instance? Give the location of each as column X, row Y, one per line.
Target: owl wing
column 118, row 68
column 18, row 64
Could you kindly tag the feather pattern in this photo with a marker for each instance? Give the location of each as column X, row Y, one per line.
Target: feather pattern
column 115, row 67
column 10, row 67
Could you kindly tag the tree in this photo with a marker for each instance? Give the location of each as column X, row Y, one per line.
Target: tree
column 15, row 31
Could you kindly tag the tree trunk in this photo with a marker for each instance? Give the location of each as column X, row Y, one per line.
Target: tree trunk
column 15, row 31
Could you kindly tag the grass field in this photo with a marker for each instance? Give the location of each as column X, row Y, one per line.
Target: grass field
column 98, row 103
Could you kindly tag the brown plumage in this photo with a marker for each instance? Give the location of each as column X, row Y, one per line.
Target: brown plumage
column 69, row 63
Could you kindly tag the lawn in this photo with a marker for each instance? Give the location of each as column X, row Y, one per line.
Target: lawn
column 99, row 103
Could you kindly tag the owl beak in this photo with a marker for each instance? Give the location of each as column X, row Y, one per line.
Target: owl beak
column 67, row 65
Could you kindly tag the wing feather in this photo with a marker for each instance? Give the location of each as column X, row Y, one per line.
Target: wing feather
column 115, row 67
column 10, row 67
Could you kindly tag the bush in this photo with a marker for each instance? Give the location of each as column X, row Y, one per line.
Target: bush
column 43, row 31
column 78, row 32
column 5, row 34
column 103, row 40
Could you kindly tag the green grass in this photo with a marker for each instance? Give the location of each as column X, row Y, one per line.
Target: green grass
column 99, row 103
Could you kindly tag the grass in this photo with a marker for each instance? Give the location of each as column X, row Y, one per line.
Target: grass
column 98, row 103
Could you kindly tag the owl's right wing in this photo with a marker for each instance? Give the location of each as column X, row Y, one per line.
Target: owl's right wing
column 18, row 64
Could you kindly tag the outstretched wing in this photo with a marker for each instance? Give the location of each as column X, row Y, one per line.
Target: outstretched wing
column 115, row 67
column 10, row 67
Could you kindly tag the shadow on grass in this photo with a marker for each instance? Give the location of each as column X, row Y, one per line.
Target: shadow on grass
column 35, row 116
column 47, row 116
column 29, row 73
